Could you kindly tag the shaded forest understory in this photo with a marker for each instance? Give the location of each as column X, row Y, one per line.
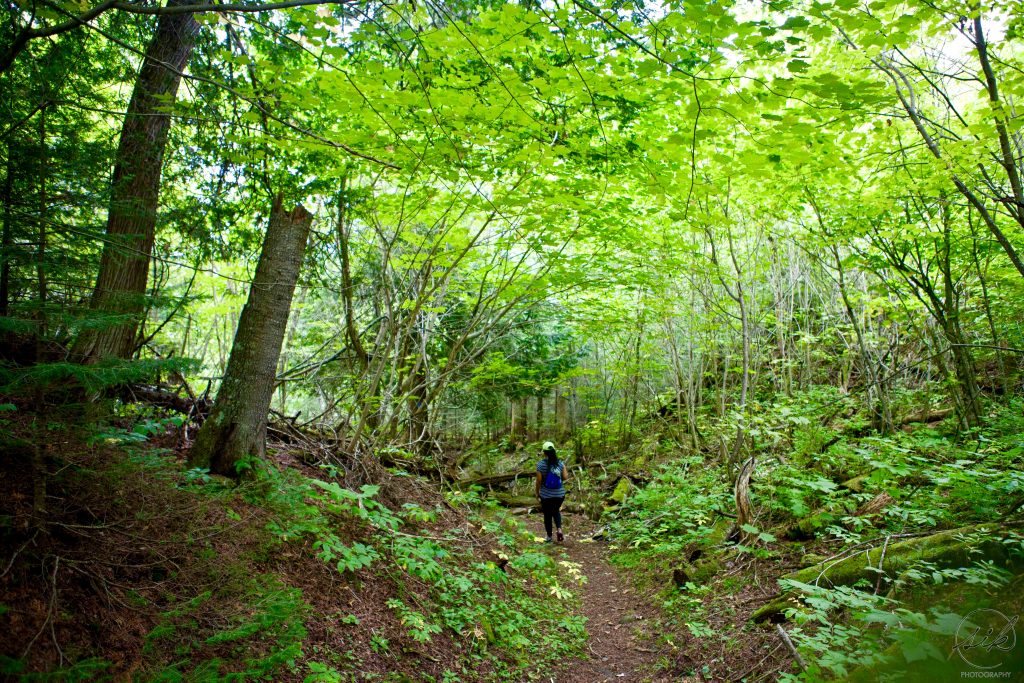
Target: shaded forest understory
column 291, row 293
column 867, row 551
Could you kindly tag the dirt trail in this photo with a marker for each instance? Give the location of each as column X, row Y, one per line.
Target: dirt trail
column 623, row 646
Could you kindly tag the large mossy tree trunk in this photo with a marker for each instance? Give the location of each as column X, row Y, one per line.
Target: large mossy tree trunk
column 237, row 425
column 135, row 188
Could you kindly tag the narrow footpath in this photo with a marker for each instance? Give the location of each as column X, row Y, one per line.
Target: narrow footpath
column 622, row 644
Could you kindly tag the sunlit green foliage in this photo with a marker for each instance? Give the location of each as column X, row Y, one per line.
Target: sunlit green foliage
column 673, row 237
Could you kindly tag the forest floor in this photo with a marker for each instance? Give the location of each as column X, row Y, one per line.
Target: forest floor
column 632, row 638
column 138, row 555
column 110, row 590
column 622, row 643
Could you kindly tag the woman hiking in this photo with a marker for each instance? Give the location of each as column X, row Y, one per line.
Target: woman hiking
column 550, row 488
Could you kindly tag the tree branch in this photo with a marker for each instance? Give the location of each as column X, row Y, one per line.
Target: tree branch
column 26, row 34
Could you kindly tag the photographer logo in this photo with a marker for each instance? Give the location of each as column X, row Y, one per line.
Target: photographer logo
column 984, row 639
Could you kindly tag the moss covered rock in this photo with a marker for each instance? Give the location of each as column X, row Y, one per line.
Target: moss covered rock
column 697, row 573
column 706, row 570
column 619, row 493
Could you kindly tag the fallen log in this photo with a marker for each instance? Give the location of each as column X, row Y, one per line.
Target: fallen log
column 163, row 397
column 510, row 500
column 572, row 508
column 952, row 548
column 284, row 428
column 923, row 417
column 287, row 432
column 927, row 416
column 808, row 527
column 493, row 479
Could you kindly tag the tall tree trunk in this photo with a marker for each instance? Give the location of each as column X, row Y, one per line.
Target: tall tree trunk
column 562, row 416
column 741, row 431
column 347, row 288
column 41, row 281
column 419, row 409
column 368, row 408
column 1004, row 376
column 237, row 425
column 963, row 360
column 282, row 363
column 784, row 376
column 723, row 442
column 631, row 398
column 1009, row 151
column 131, row 220
column 517, row 431
column 963, row 366
column 7, row 240
column 539, row 423
column 878, row 396
column 694, row 395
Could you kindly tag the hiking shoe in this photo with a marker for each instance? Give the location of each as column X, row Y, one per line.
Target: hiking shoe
column 561, row 538
column 547, row 540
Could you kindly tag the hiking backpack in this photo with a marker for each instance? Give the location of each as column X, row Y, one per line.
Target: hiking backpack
column 552, row 480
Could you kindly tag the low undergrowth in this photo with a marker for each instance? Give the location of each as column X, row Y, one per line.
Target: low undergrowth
column 139, row 569
column 824, row 491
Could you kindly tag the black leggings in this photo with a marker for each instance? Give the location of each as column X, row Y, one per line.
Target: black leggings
column 551, row 506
